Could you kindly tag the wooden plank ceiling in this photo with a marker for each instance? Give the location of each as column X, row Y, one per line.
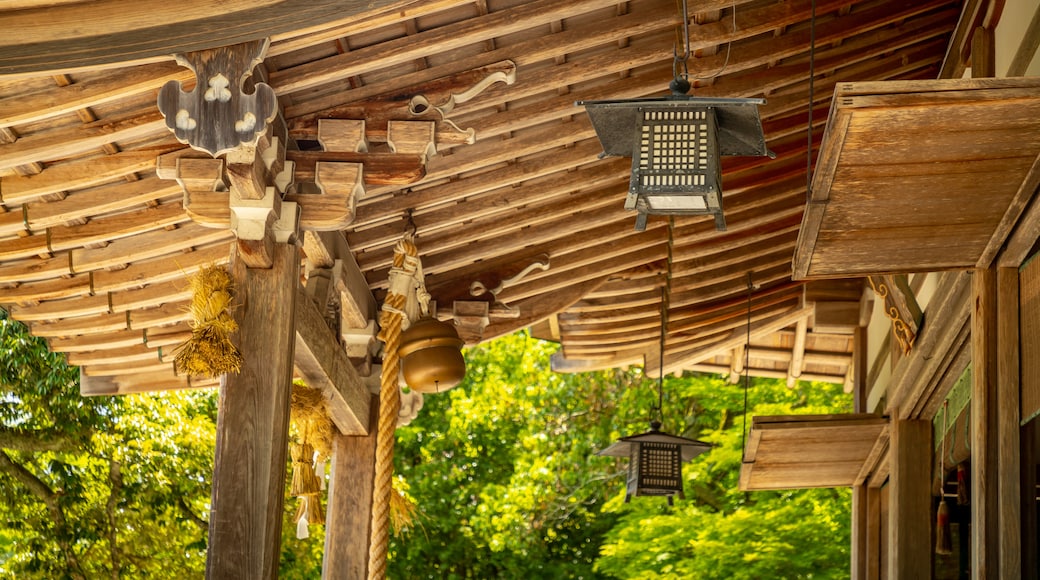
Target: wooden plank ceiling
column 885, row 202
column 94, row 246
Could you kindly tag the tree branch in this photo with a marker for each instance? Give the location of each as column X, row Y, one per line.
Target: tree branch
column 35, row 440
column 27, row 478
column 49, row 497
column 191, row 515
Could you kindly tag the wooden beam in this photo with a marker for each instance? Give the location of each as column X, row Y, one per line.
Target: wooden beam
column 1027, row 50
column 348, row 520
column 253, row 424
column 909, row 527
column 104, row 32
column 80, row 139
column 324, row 365
column 703, row 352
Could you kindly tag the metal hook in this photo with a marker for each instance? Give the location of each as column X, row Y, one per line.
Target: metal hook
column 412, row 229
column 685, row 40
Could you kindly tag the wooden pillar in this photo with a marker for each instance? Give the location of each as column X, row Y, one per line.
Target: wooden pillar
column 1007, row 426
column 910, row 524
column 859, row 532
column 985, row 531
column 874, row 533
column 252, row 424
column 348, row 520
column 860, row 389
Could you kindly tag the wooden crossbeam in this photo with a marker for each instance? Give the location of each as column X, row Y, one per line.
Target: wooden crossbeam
column 324, row 365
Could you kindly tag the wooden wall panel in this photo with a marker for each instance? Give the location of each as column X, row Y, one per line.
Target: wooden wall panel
column 1029, row 310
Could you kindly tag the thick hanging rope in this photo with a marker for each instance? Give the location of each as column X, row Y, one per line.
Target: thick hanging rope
column 391, row 320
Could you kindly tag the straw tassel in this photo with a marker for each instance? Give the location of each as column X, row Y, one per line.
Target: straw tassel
column 210, row 352
column 943, row 530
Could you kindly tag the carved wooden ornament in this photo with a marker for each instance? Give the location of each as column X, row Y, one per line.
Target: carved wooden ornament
column 900, row 306
column 218, row 116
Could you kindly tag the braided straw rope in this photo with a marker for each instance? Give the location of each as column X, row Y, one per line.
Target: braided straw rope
column 391, row 318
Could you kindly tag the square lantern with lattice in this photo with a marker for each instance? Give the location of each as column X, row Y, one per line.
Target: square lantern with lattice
column 655, row 461
column 676, row 143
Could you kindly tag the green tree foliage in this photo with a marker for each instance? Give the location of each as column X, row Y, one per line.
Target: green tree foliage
column 97, row 487
column 503, row 469
column 721, row 532
column 508, row 484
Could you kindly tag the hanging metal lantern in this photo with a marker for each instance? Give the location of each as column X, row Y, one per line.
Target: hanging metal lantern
column 431, row 356
column 675, row 143
column 655, row 461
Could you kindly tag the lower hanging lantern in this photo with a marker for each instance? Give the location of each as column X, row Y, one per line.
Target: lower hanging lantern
column 431, row 356
column 655, row 461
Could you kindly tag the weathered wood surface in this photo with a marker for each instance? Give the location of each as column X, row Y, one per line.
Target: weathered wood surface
column 253, row 424
column 1009, row 420
column 42, row 37
column 910, row 526
column 530, row 184
column 323, row 364
column 788, row 452
column 985, row 469
column 348, row 520
column 895, row 203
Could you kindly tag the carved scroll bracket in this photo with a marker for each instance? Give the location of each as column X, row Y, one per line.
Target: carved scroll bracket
column 443, row 102
column 472, row 317
column 218, row 115
column 900, row 306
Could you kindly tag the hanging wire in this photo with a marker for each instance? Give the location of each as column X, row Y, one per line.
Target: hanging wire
column 812, row 79
column 747, row 374
column 660, row 368
column 665, row 290
column 680, row 66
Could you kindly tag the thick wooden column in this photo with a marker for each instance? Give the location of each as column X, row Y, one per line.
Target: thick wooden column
column 348, row 520
column 1007, row 426
column 910, row 524
column 985, row 530
column 252, row 424
column 874, row 533
column 859, row 533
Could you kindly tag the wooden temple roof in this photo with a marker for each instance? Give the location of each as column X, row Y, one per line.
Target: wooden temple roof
column 96, row 242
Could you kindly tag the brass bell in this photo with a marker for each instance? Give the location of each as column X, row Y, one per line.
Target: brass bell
column 431, row 356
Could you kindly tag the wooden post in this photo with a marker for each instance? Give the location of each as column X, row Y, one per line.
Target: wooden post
column 910, row 524
column 860, row 389
column 985, row 530
column 348, row 520
column 1007, row 426
column 859, row 532
column 874, row 534
column 252, row 424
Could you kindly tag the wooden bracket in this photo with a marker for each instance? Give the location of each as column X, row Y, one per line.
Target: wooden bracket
column 476, row 308
column 900, row 306
column 480, row 288
column 334, row 280
column 218, row 115
column 471, row 318
column 432, row 101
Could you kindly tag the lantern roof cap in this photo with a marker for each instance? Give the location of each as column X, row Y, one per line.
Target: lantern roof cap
column 622, row 447
column 739, row 125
